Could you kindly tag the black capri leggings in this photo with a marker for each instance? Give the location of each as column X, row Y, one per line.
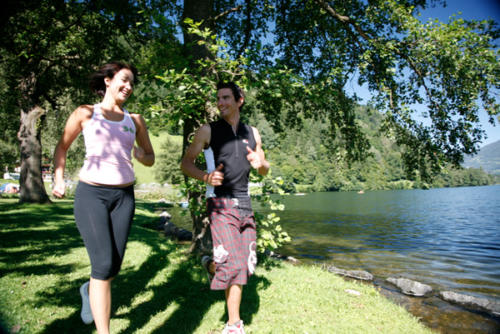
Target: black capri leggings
column 103, row 216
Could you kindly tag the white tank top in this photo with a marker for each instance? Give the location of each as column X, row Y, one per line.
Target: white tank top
column 108, row 149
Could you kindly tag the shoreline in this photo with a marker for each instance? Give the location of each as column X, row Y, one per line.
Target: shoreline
column 162, row 289
column 431, row 308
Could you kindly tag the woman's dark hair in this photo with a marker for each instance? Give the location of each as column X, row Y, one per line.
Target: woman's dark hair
column 109, row 70
column 237, row 91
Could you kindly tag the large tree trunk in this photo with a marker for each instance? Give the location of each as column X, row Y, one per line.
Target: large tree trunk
column 198, row 10
column 31, row 183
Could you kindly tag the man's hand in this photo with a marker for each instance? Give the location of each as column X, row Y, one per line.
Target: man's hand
column 216, row 177
column 254, row 158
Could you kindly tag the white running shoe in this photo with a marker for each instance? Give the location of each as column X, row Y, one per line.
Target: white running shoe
column 86, row 313
column 236, row 328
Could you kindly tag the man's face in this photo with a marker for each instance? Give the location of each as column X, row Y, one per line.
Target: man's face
column 226, row 103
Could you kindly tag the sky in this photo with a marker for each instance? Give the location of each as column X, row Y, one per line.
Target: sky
column 470, row 9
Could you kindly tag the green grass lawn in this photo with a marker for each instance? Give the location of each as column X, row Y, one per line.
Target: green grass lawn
column 161, row 289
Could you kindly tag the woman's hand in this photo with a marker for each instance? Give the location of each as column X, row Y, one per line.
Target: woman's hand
column 59, row 189
column 139, row 153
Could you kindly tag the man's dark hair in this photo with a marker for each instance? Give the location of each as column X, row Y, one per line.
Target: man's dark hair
column 237, row 91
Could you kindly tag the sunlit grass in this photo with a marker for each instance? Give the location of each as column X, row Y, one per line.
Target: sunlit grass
column 161, row 289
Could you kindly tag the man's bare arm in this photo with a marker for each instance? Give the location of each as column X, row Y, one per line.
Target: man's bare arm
column 200, row 141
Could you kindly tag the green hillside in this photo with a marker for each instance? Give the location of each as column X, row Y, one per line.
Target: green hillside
column 488, row 159
column 308, row 160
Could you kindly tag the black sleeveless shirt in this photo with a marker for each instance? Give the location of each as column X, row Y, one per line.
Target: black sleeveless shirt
column 230, row 149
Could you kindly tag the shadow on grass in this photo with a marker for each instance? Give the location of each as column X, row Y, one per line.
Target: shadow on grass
column 188, row 297
column 35, row 232
column 50, row 231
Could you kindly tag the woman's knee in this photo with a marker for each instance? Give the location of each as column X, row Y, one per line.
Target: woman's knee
column 105, row 270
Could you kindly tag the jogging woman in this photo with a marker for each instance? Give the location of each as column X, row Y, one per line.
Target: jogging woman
column 104, row 199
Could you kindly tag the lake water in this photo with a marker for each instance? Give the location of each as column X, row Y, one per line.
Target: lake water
column 448, row 238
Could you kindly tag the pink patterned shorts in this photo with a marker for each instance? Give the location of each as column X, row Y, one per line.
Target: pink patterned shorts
column 234, row 237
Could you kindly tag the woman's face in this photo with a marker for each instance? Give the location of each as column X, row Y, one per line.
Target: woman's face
column 121, row 85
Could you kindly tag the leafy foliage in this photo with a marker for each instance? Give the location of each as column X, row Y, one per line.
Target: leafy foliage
column 191, row 90
column 270, row 234
column 168, row 162
column 48, row 49
column 451, row 68
column 293, row 57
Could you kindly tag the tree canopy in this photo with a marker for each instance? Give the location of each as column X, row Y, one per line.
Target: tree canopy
column 293, row 56
column 300, row 56
column 450, row 68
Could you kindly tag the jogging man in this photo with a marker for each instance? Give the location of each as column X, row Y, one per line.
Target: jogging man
column 231, row 150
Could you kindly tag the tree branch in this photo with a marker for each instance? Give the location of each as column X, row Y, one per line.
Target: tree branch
column 227, row 12
column 344, row 19
column 349, row 22
column 248, row 28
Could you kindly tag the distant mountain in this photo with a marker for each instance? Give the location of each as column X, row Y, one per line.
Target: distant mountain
column 488, row 158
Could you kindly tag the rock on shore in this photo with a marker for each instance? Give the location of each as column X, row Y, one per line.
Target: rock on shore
column 409, row 287
column 171, row 230
column 357, row 274
column 278, row 256
column 482, row 304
